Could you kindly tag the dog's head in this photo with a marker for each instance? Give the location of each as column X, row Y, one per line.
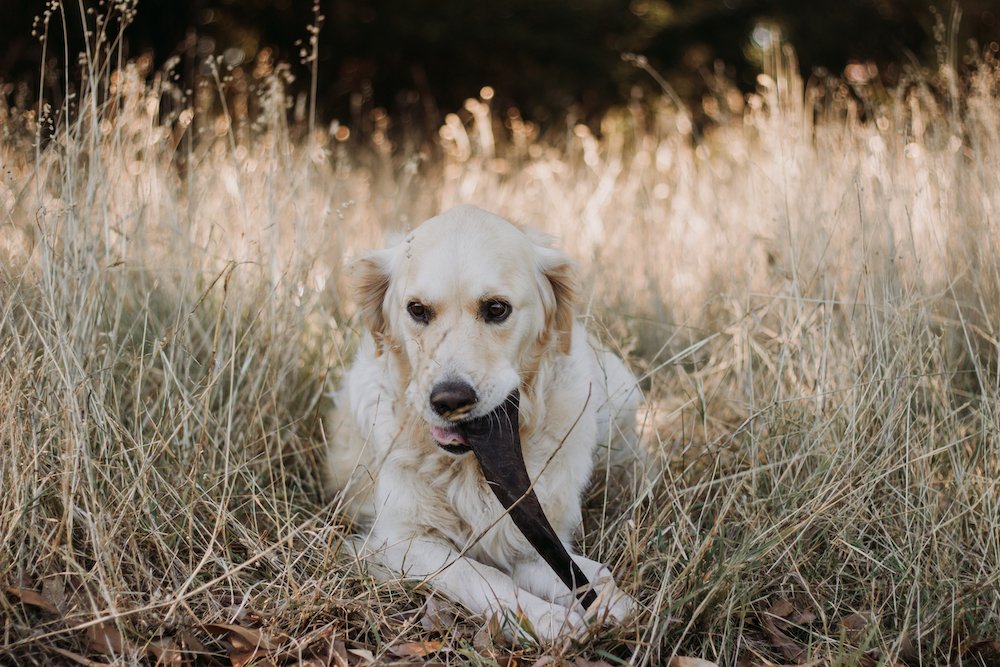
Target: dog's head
column 468, row 304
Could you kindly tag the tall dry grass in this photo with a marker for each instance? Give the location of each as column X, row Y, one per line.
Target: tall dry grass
column 810, row 291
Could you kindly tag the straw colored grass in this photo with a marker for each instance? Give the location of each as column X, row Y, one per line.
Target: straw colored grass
column 810, row 291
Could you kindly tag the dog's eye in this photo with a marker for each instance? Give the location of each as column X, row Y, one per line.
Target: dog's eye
column 419, row 312
column 496, row 311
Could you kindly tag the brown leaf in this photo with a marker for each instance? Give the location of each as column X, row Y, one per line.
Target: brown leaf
column 54, row 590
column 242, row 639
column 247, row 644
column 438, row 616
column 243, row 658
column 547, row 661
column 583, row 662
column 166, row 652
column 786, row 613
column 782, row 608
column 192, row 644
column 855, row 622
column 416, row 649
column 323, row 646
column 982, row 653
column 105, row 638
column 336, row 654
column 854, row 626
column 908, row 650
column 68, row 592
column 486, row 637
column 802, row 617
column 33, row 599
column 75, row 657
column 680, row 661
column 788, row 648
column 363, row 653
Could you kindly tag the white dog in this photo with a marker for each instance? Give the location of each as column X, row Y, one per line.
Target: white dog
column 462, row 312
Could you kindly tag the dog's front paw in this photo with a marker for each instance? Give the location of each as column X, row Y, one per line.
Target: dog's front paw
column 544, row 623
column 613, row 604
column 558, row 621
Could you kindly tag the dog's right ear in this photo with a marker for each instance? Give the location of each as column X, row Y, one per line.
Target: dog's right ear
column 557, row 284
column 371, row 275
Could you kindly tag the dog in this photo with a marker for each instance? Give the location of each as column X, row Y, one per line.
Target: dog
column 464, row 310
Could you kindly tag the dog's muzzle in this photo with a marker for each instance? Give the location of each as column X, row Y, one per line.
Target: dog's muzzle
column 452, row 400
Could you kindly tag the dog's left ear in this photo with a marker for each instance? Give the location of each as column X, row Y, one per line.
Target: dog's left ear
column 371, row 275
column 557, row 283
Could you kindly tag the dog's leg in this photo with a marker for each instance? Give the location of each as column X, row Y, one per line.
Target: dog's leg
column 612, row 603
column 482, row 589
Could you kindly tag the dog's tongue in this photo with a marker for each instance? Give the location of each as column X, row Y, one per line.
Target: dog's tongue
column 448, row 436
column 496, row 442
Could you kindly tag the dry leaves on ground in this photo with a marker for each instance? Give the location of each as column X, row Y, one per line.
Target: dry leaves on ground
column 681, row 661
column 417, row 649
column 244, row 642
column 776, row 620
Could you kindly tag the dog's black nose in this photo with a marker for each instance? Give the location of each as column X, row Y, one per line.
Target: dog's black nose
column 452, row 399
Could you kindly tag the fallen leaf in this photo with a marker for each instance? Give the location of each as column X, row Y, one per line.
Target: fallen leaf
column 803, row 617
column 786, row 613
column 247, row 644
column 546, row 661
column 322, row 645
column 33, row 599
column 854, row 626
column 583, row 662
column 243, row 639
column 855, row 622
column 438, row 616
column 336, row 654
column 68, row 592
column 782, row 615
column 75, row 657
column 908, row 649
column 166, row 652
column 785, row 645
column 362, row 653
column 982, row 653
column 105, row 638
column 54, row 590
column 192, row 644
column 416, row 649
column 681, row 661
column 243, row 658
column 486, row 637
column 783, row 608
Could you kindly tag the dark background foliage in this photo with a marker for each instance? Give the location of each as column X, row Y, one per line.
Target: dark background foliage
column 548, row 58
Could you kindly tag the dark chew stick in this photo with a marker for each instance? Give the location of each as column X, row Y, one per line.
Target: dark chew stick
column 496, row 442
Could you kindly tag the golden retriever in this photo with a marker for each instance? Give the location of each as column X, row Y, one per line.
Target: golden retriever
column 463, row 311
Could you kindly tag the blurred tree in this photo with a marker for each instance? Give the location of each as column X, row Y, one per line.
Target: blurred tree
column 547, row 57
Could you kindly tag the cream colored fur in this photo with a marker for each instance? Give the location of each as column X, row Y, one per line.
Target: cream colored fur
column 429, row 513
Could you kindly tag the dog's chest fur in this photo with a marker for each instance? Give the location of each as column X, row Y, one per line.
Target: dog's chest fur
column 447, row 495
column 453, row 500
column 402, row 484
